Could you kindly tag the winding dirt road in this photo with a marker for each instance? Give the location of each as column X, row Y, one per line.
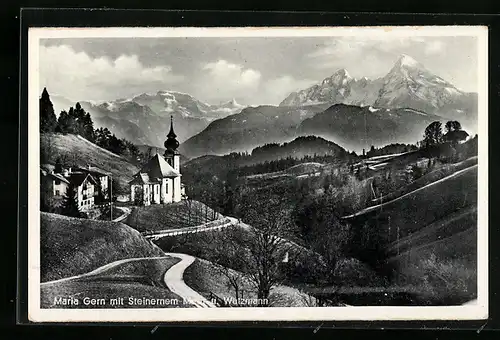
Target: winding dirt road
column 174, row 280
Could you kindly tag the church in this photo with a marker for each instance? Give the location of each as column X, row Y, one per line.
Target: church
column 159, row 180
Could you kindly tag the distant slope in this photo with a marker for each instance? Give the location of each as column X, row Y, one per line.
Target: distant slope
column 77, row 150
column 73, row 246
column 298, row 148
column 355, row 127
column 252, row 127
column 205, row 166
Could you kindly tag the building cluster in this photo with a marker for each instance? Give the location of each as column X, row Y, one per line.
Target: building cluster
column 90, row 185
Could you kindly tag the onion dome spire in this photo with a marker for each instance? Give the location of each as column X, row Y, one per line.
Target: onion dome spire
column 171, row 144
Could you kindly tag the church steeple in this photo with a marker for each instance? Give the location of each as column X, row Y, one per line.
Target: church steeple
column 171, row 134
column 171, row 144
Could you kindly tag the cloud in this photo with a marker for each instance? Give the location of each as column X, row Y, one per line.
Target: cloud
column 434, row 47
column 76, row 75
column 232, row 80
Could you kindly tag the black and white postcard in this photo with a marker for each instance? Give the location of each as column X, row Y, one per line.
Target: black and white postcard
column 239, row 174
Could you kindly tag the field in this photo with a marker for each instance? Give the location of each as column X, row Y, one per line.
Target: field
column 73, row 246
column 419, row 208
column 77, row 150
column 435, row 175
column 131, row 281
column 187, row 213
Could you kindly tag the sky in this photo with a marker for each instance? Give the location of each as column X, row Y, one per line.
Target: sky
column 252, row 70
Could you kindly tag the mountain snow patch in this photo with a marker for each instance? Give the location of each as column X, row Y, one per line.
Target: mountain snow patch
column 415, row 111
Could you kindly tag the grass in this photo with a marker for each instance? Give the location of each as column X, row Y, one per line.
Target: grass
column 137, row 279
column 76, row 149
column 73, row 246
column 457, row 222
column 206, row 277
column 182, row 214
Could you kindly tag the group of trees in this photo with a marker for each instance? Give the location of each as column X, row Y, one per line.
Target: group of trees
column 434, row 136
column 77, row 121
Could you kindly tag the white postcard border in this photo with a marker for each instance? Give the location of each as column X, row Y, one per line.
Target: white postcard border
column 386, row 313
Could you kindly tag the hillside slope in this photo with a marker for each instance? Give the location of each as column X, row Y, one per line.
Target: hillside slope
column 252, row 127
column 79, row 151
column 427, row 237
column 73, row 246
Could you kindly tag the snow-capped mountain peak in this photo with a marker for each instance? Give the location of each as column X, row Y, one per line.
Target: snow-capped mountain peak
column 407, row 84
column 407, row 61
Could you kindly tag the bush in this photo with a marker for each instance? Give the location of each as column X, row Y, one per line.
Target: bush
column 444, row 281
column 354, row 273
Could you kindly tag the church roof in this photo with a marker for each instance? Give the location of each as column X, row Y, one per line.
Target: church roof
column 157, row 167
column 143, row 178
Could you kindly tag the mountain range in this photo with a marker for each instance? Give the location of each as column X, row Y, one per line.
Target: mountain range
column 145, row 118
column 354, row 113
column 407, row 85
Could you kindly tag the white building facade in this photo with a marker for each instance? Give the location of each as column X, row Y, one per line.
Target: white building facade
column 159, row 180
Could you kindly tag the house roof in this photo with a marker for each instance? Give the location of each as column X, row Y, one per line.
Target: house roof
column 53, row 176
column 157, row 167
column 59, row 177
column 94, row 171
column 456, row 135
column 77, row 178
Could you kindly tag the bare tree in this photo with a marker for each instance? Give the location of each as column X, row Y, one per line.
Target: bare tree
column 266, row 244
column 228, row 253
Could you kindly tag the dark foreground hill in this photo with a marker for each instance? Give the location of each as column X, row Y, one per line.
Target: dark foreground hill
column 73, row 246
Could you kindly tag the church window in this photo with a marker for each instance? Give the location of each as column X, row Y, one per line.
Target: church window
column 57, row 193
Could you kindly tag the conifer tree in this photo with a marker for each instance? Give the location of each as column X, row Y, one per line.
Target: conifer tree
column 70, row 205
column 48, row 120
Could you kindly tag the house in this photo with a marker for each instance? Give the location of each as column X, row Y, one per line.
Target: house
column 86, row 189
column 53, row 187
column 55, row 182
column 159, row 180
column 456, row 137
column 103, row 180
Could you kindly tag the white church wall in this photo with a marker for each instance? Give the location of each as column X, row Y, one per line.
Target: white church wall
column 177, row 189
